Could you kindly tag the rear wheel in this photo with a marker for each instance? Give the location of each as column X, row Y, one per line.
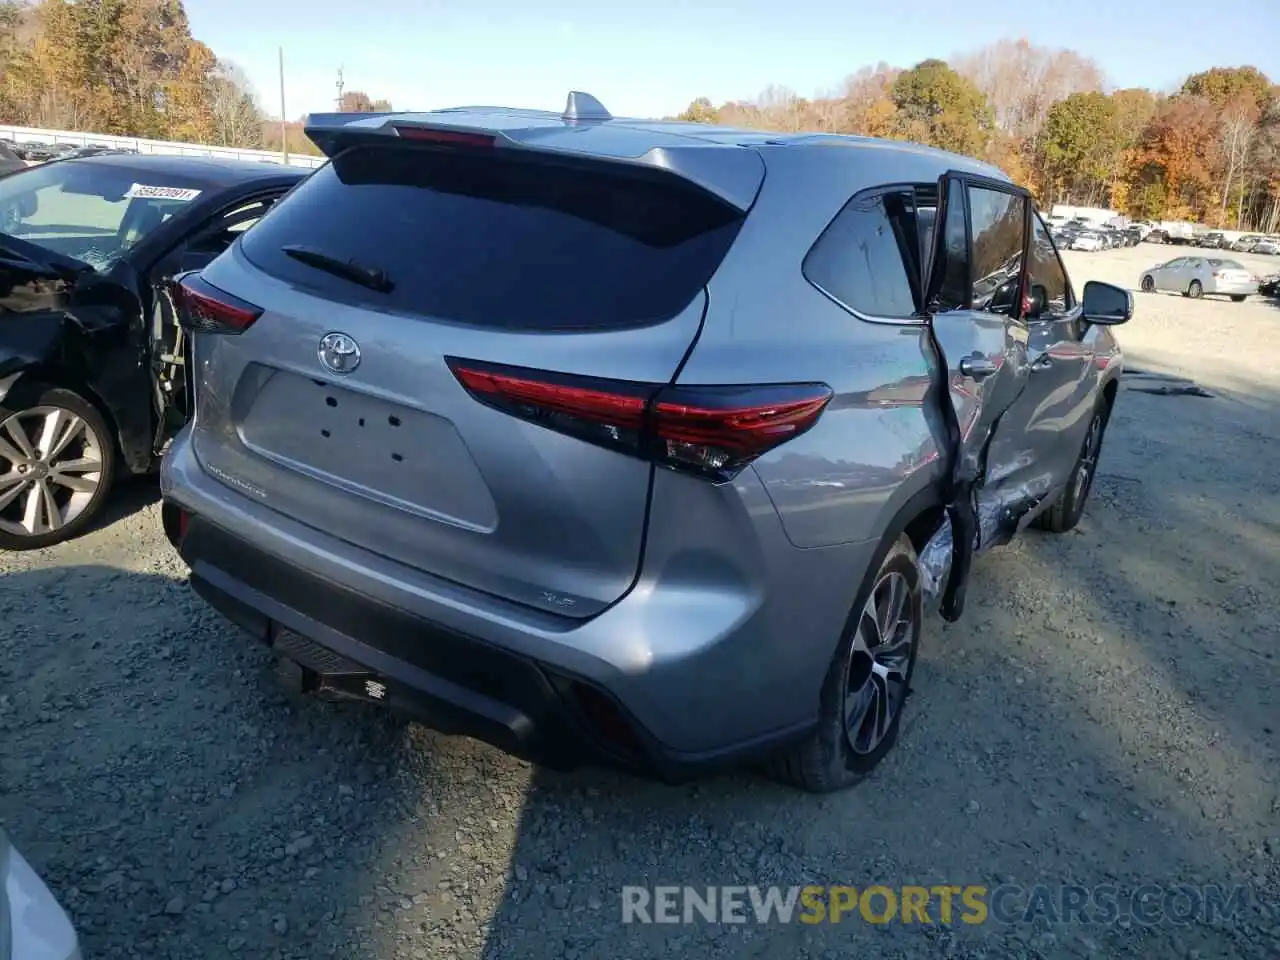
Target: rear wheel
column 867, row 683
column 57, row 457
column 1237, row 298
column 1195, row 291
column 1066, row 513
column 1148, row 285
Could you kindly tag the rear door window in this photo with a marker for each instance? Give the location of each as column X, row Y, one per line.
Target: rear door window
column 867, row 259
column 500, row 242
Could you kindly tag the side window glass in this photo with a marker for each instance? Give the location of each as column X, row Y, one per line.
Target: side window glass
column 867, row 257
column 1050, row 289
column 997, row 225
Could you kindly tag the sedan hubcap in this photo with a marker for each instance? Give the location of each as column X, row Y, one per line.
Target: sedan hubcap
column 882, row 643
column 50, row 469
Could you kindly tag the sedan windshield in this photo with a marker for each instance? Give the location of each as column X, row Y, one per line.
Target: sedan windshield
column 90, row 211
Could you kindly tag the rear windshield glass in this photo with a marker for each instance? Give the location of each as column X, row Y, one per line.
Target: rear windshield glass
column 1226, row 264
column 498, row 242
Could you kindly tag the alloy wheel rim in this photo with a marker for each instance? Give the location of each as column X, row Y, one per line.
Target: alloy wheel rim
column 51, row 464
column 1148, row 284
column 1088, row 459
column 883, row 640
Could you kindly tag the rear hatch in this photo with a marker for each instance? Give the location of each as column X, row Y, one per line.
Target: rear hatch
column 455, row 255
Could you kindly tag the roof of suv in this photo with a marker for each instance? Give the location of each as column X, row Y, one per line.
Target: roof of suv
column 594, row 132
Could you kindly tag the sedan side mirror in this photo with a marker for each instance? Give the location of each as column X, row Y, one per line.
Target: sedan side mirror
column 1105, row 303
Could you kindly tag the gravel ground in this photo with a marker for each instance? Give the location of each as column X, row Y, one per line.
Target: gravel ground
column 1105, row 713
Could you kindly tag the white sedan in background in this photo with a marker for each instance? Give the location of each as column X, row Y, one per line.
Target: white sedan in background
column 1088, row 241
column 1197, row 276
column 32, row 924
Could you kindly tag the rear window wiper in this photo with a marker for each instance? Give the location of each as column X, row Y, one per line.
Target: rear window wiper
column 370, row 277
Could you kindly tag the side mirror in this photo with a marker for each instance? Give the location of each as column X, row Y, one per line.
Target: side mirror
column 1037, row 300
column 1106, row 304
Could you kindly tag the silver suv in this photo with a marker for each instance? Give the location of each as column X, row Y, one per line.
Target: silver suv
column 630, row 440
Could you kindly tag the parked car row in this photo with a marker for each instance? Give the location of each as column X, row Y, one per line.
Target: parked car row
column 1216, row 240
column 1080, row 235
column 33, row 152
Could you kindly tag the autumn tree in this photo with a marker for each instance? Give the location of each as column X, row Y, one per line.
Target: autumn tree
column 1222, row 85
column 867, row 102
column 1079, row 144
column 1022, row 81
column 236, row 116
column 937, row 106
column 188, row 105
column 1174, row 159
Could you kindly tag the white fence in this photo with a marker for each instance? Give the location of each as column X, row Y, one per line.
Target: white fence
column 34, row 135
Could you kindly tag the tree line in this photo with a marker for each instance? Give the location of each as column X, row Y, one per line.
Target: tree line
column 1207, row 152
column 132, row 68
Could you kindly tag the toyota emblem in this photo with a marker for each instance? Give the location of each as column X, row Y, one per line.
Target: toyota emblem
column 339, row 353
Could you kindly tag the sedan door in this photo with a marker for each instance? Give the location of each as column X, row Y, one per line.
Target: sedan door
column 1169, row 275
column 1197, row 268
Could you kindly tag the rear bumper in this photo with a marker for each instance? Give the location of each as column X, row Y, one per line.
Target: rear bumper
column 351, row 646
column 1237, row 289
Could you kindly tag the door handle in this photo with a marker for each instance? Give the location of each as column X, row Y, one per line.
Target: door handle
column 1042, row 362
column 977, row 366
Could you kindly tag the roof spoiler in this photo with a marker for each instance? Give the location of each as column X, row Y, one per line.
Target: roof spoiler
column 732, row 174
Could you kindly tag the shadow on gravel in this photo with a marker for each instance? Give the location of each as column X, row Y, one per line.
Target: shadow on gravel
column 131, row 495
column 1104, row 713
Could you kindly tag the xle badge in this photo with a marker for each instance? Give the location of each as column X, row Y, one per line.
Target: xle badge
column 376, row 690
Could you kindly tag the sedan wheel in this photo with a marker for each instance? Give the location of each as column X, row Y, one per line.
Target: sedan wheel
column 56, row 462
column 1195, row 291
column 1148, row 285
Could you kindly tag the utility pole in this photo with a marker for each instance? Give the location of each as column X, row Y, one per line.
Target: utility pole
column 339, row 89
column 284, row 128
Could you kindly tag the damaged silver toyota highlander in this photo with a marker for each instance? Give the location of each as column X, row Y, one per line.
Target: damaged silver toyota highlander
column 627, row 440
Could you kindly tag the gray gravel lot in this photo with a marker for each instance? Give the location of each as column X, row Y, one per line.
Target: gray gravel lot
column 1105, row 713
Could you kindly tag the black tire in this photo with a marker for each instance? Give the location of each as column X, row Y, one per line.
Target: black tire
column 1066, row 512
column 1237, row 298
column 827, row 760
column 29, row 396
column 1148, row 285
column 1195, row 291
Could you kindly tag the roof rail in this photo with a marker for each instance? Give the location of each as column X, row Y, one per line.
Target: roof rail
column 583, row 106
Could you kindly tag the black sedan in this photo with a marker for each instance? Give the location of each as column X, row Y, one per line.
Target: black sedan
column 92, row 362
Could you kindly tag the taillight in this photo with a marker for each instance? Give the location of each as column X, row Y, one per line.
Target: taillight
column 711, row 431
column 457, row 138
column 203, row 308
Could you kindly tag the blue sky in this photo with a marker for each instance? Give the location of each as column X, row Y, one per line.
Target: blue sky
column 652, row 58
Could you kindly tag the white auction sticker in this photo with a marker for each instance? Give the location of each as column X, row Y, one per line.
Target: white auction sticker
column 148, row 192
